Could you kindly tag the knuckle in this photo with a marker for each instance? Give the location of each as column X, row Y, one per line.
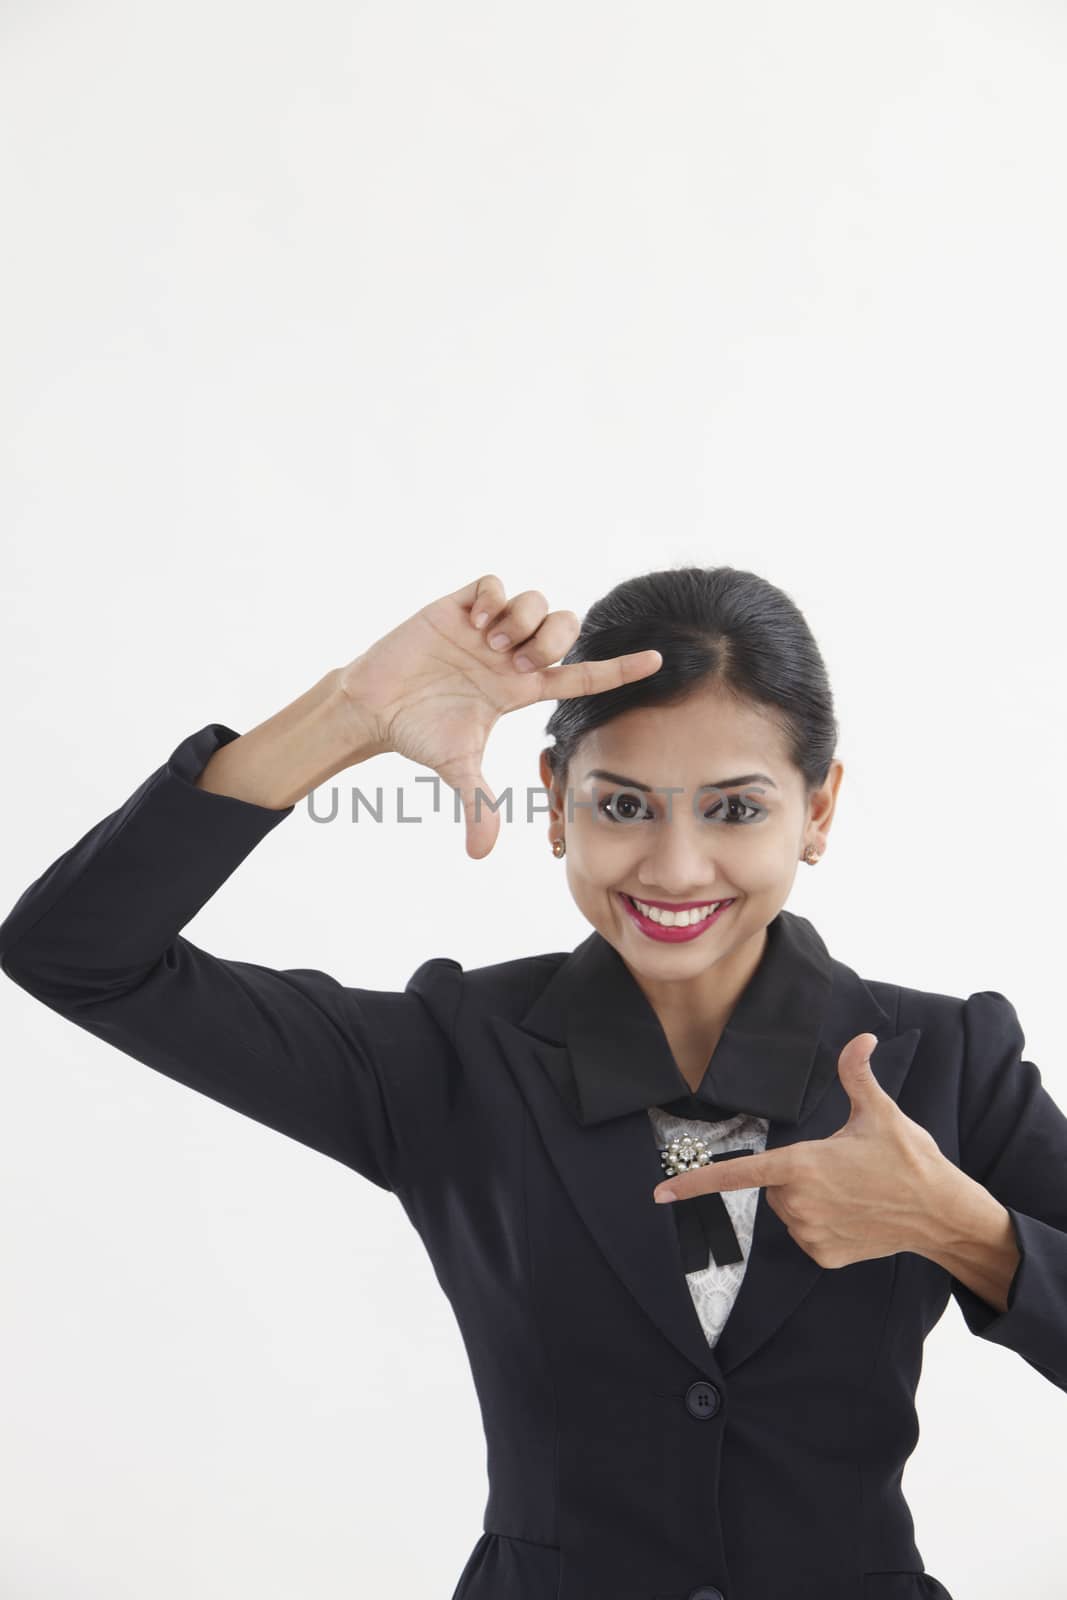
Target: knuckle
column 528, row 604
column 555, row 629
column 562, row 624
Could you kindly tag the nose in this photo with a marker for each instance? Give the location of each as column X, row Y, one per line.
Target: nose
column 679, row 863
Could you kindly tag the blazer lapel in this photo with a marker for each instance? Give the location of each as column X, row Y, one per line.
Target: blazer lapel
column 610, row 1170
column 610, row 1167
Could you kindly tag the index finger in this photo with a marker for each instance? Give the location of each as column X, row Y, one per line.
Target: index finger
column 576, row 678
column 742, row 1172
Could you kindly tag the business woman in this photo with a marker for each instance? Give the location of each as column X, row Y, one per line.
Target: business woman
column 710, row 1399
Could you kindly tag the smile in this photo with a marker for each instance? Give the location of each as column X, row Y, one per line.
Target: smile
column 670, row 926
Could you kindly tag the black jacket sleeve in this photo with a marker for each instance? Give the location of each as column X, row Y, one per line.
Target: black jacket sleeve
column 96, row 938
column 1013, row 1140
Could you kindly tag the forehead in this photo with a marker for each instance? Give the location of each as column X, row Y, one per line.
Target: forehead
column 706, row 727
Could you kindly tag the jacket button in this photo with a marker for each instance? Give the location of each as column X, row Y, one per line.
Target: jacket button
column 703, row 1400
column 707, row 1593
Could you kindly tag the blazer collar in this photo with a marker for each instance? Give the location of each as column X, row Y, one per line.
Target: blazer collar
column 589, row 1056
column 766, row 1063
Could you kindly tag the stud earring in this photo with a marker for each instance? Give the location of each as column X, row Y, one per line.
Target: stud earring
column 811, row 855
column 559, row 848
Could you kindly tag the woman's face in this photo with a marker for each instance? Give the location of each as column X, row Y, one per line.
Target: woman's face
column 700, row 834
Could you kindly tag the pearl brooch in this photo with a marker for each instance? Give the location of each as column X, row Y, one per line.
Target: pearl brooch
column 683, row 1155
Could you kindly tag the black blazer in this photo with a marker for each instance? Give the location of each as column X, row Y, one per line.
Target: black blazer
column 627, row 1458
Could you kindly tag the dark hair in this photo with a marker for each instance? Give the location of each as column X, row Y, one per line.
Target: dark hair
column 714, row 626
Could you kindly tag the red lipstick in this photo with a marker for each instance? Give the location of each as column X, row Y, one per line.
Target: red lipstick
column 656, row 930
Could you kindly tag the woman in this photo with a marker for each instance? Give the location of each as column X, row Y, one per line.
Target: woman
column 710, row 1400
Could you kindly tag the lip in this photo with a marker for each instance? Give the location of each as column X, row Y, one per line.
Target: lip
column 655, row 930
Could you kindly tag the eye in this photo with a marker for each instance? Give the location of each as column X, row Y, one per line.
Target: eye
column 624, row 798
column 721, row 811
column 730, row 815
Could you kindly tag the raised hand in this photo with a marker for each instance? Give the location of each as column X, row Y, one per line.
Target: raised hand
column 434, row 687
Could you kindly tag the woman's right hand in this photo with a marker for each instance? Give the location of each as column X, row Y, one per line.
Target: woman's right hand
column 433, row 688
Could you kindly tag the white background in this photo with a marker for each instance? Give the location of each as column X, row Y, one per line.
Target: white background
column 311, row 314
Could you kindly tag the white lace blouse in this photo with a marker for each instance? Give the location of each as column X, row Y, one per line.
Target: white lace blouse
column 714, row 1288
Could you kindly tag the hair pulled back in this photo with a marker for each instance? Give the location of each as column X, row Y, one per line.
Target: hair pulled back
column 720, row 627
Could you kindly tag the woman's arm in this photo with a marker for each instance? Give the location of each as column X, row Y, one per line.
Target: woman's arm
column 972, row 1237
column 1013, row 1142
column 97, row 939
column 281, row 760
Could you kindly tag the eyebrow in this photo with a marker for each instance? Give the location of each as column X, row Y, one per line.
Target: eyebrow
column 723, row 783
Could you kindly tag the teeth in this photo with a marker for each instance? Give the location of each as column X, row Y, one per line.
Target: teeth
column 676, row 919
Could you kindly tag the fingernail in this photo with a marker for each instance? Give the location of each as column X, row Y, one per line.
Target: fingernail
column 481, row 619
column 524, row 663
column 664, row 1196
column 499, row 640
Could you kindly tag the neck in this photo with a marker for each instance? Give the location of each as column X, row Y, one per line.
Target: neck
column 693, row 1013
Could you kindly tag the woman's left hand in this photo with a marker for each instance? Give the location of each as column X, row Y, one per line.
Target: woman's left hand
column 871, row 1189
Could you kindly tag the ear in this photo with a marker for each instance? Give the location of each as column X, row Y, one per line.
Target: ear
column 824, row 799
column 555, row 795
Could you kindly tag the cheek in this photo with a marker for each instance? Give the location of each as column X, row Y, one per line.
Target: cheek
column 756, row 866
column 770, row 876
column 599, row 851
column 768, row 857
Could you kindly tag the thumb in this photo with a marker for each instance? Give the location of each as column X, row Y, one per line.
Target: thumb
column 479, row 807
column 856, row 1075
